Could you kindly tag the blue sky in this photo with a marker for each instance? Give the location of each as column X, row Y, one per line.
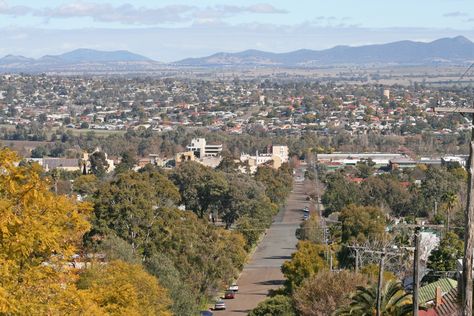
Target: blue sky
column 169, row 30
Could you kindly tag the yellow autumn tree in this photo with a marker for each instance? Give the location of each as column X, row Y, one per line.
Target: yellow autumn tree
column 121, row 288
column 39, row 232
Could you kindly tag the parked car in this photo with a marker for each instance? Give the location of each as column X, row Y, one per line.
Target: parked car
column 229, row 294
column 220, row 305
column 206, row 313
column 234, row 287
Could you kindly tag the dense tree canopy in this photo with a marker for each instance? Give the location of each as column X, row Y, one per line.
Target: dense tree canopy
column 40, row 232
column 362, row 223
column 120, row 288
column 202, row 189
column 141, row 208
column 339, row 193
column 278, row 182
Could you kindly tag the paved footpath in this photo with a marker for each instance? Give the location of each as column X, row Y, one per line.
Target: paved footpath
column 262, row 273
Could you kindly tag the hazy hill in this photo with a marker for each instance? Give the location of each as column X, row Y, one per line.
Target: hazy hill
column 80, row 60
column 446, row 50
column 90, row 55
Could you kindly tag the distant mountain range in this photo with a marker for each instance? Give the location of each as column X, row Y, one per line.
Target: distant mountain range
column 80, row 60
column 455, row 50
column 446, row 51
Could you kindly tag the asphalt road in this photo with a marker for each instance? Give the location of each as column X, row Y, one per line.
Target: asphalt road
column 262, row 273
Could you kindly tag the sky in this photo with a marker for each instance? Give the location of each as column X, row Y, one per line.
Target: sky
column 170, row 30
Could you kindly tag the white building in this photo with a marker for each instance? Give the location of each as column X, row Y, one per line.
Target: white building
column 202, row 149
column 278, row 156
column 462, row 160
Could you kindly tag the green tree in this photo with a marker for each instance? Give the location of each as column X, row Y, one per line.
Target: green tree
column 450, row 200
column 385, row 191
column 115, row 248
column 127, row 162
column 98, row 164
column 278, row 305
column 39, row 152
column 394, row 301
column 339, row 193
column 228, row 165
column 438, row 183
column 311, row 230
column 130, row 206
column 362, row 223
column 185, row 299
column 140, row 208
column 445, row 256
column 365, row 168
column 86, row 184
column 278, row 183
column 202, row 189
column 246, row 197
column 309, row 259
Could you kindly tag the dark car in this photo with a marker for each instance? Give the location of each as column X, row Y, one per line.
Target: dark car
column 206, row 313
column 229, row 294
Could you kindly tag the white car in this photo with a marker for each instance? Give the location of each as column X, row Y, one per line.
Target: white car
column 220, row 305
column 234, row 287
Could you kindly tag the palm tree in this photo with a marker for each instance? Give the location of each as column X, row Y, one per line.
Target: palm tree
column 394, row 301
column 450, row 200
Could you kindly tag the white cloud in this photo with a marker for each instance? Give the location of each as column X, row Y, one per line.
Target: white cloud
column 130, row 14
column 455, row 14
column 7, row 9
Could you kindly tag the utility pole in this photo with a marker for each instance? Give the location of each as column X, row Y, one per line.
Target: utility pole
column 382, row 254
column 416, row 272
column 380, row 283
column 330, row 258
column 357, row 260
column 466, row 290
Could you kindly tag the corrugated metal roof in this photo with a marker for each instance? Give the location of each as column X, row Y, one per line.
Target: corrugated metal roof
column 427, row 293
column 450, row 304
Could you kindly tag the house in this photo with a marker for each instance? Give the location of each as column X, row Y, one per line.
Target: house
column 64, row 164
column 431, row 295
column 446, row 304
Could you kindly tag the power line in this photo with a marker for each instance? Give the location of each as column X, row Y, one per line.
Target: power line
column 465, row 73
